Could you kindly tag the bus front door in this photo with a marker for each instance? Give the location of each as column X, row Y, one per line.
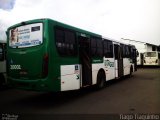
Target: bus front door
column 85, row 61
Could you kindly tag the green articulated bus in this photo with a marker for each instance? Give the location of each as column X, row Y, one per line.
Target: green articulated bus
column 46, row 55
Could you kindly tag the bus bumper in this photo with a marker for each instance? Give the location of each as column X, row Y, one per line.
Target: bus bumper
column 33, row 85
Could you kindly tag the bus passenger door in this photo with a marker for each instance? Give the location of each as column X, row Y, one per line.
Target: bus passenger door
column 119, row 60
column 85, row 61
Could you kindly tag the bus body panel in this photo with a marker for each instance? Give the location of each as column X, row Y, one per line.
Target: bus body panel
column 127, row 66
column 151, row 61
column 70, row 77
column 26, row 65
column 109, row 66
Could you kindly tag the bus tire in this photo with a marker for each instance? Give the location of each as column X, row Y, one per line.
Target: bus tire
column 101, row 78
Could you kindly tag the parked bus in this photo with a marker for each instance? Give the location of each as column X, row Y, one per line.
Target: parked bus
column 47, row 55
column 140, row 59
column 152, row 58
column 2, row 63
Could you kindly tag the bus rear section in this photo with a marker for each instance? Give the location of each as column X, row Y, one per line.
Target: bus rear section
column 151, row 58
column 27, row 55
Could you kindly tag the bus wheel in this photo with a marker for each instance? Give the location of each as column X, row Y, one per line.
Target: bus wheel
column 100, row 80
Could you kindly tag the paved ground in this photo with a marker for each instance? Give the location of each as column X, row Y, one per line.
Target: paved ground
column 138, row 94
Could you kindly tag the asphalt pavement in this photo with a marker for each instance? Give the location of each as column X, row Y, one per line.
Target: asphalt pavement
column 138, row 94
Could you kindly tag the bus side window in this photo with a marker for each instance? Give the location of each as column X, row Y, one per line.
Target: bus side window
column 1, row 52
column 108, row 49
column 121, row 49
column 65, row 42
column 124, row 51
column 116, row 51
column 127, row 52
column 99, row 48
column 59, row 35
column 131, row 52
column 93, row 46
column 96, row 47
column 71, row 43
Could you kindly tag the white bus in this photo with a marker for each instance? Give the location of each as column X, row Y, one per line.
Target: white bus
column 2, row 63
column 151, row 58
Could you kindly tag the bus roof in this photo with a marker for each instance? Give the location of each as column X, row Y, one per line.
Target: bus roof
column 67, row 26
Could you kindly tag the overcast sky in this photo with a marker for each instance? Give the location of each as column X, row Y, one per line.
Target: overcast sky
column 116, row 19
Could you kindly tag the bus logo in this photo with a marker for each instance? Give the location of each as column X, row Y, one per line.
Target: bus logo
column 109, row 63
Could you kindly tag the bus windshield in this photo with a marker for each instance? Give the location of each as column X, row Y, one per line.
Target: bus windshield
column 26, row 36
column 150, row 54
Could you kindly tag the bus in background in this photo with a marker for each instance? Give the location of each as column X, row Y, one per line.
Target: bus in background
column 143, row 48
column 46, row 55
column 2, row 63
column 152, row 58
column 140, row 59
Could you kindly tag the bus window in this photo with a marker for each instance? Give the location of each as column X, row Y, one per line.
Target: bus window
column 59, row 41
column 116, row 49
column 121, row 49
column 70, row 41
column 153, row 48
column 93, row 46
column 96, row 47
column 131, row 52
column 108, row 49
column 150, row 54
column 99, row 48
column 65, row 42
column 126, row 51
